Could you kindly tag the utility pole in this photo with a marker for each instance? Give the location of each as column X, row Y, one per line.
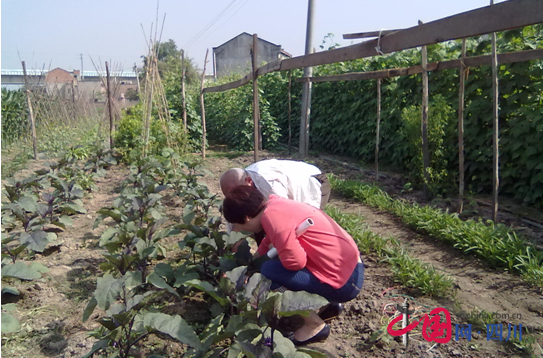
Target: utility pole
column 306, row 92
column 82, row 75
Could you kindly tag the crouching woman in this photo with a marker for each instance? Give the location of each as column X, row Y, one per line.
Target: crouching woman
column 323, row 260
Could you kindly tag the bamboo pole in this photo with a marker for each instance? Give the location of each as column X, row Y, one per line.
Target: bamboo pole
column 183, row 89
column 377, row 129
column 289, row 110
column 137, row 79
column 202, row 104
column 495, row 176
column 424, row 122
column 256, row 105
column 109, row 108
column 463, row 75
column 149, row 88
column 30, row 113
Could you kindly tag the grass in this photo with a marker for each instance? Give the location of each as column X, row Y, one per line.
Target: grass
column 496, row 244
column 409, row 271
column 53, row 141
column 229, row 155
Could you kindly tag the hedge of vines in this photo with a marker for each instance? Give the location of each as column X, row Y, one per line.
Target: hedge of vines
column 343, row 115
column 14, row 113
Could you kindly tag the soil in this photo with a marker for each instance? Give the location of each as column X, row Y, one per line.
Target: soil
column 50, row 308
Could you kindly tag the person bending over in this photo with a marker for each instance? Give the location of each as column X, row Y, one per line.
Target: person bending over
column 290, row 179
column 324, row 260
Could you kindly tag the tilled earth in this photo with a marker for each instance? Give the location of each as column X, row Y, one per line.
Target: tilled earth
column 50, row 308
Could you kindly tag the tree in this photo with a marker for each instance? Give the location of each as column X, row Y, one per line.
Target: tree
column 169, row 60
column 131, row 94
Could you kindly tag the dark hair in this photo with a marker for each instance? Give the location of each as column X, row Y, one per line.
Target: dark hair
column 243, row 202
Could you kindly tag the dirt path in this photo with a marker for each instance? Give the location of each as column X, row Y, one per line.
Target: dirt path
column 51, row 308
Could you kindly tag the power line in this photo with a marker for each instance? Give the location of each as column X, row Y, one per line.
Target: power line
column 224, row 22
column 208, row 26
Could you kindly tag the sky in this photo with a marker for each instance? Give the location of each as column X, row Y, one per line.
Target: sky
column 54, row 33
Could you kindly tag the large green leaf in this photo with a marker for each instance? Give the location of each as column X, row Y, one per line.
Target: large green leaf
column 103, row 343
column 70, row 208
column 9, row 323
column 174, row 326
column 11, row 291
column 253, row 351
column 159, row 282
column 165, row 270
column 207, row 288
column 28, row 203
column 108, row 234
column 133, row 279
column 36, row 241
column 237, row 276
column 300, row 302
column 107, row 290
column 21, row 271
column 90, row 308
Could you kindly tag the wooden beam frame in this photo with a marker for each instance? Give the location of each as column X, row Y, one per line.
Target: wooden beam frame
column 500, row 17
column 477, row 61
column 361, row 35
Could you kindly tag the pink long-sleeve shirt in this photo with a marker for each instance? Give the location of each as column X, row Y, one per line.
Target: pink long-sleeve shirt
column 325, row 249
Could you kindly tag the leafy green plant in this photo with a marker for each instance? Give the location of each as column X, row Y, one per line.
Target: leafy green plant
column 441, row 136
column 230, row 117
column 412, row 273
column 14, row 116
column 343, row 114
column 129, row 134
column 498, row 245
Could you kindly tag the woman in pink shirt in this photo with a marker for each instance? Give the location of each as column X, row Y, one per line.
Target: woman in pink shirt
column 324, row 260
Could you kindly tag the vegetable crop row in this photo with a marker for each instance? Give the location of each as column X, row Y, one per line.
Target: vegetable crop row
column 496, row 244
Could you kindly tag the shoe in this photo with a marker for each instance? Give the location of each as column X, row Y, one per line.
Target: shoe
column 331, row 311
column 321, row 336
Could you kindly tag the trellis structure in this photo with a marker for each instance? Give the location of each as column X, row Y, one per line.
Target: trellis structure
column 500, row 17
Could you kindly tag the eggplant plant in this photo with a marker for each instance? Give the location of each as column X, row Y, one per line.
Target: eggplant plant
column 251, row 316
column 130, row 316
column 100, row 161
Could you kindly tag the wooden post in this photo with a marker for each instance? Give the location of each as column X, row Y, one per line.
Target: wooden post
column 289, row 110
column 30, row 113
column 424, row 121
column 495, row 177
column 183, row 89
column 202, row 104
column 377, row 129
column 256, row 105
column 109, row 108
column 463, row 75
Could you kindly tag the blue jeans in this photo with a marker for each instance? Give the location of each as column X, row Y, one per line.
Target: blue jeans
column 303, row 280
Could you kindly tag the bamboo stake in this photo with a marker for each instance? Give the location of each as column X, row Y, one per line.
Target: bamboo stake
column 147, row 119
column 256, row 106
column 109, row 108
column 202, row 104
column 289, row 110
column 495, row 177
column 463, row 75
column 30, row 113
column 183, row 89
column 137, row 79
column 424, row 121
column 377, row 129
